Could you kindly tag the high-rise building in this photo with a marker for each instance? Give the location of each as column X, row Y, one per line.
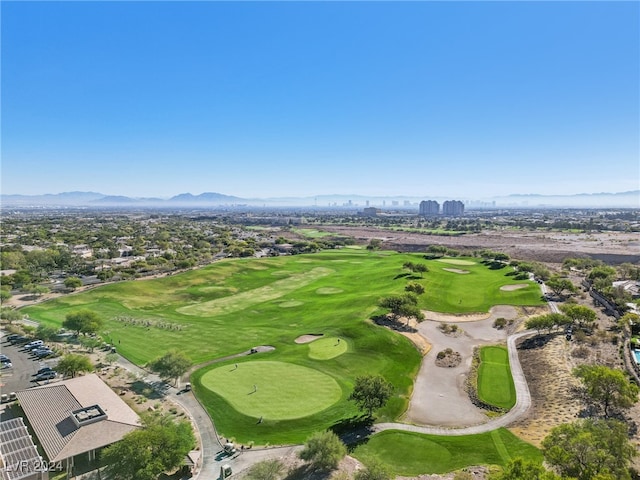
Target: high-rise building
column 453, row 208
column 429, row 207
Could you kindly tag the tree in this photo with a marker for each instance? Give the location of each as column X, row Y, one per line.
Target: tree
column 547, row 322
column 83, row 321
column 421, row 268
column 71, row 364
column 414, row 287
column 558, row 285
column 607, row 387
column 323, row 450
column 405, row 305
column 5, row 295
column 587, row 448
column 171, row 365
column 46, row 333
column 409, row 266
column 38, row 290
column 143, row 454
column 90, row 343
column 72, row 283
column 520, row 469
column 374, row 244
column 627, row 320
column 266, row 470
column 371, row 392
column 10, row 314
column 604, row 272
column 375, row 470
column 540, row 271
column 583, row 316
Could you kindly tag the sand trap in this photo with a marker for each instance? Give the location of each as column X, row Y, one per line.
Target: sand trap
column 456, row 270
column 510, row 288
column 328, row 291
column 506, row 311
column 290, row 304
column 308, row 338
column 456, row 261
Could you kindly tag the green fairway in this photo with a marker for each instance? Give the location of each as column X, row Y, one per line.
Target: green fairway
column 327, row 348
column 495, row 383
column 265, row 293
column 412, row 454
column 282, row 390
column 236, row 304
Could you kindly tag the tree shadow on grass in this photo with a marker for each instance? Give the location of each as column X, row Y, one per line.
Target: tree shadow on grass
column 393, row 324
column 401, row 275
column 354, row 431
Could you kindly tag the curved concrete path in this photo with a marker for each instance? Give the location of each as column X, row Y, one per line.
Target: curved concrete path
column 449, row 404
column 523, row 403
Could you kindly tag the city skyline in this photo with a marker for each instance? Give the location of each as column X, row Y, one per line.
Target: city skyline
column 473, row 100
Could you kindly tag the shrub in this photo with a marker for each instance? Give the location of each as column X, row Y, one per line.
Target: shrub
column 500, row 323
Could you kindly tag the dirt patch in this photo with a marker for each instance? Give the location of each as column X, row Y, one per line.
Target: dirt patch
column 511, row 288
column 548, row 373
column 297, row 469
column 456, row 270
column 540, row 246
column 310, row 337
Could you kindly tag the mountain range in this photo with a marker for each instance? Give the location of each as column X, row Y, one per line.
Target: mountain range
column 630, row 199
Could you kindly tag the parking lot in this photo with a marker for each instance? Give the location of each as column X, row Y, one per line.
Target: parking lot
column 24, row 367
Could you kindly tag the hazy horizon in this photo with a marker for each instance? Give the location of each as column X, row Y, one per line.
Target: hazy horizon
column 297, row 99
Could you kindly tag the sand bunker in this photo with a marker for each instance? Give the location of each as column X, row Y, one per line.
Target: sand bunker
column 510, row 288
column 308, row 338
column 456, row 270
column 290, row 304
column 456, row 261
column 505, row 311
column 328, row 290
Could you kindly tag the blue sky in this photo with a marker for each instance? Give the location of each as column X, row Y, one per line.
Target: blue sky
column 295, row 98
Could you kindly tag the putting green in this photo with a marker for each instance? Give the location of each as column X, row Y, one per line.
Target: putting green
column 327, row 348
column 284, row 390
column 455, row 261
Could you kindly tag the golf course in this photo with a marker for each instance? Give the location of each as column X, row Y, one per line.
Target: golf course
column 296, row 388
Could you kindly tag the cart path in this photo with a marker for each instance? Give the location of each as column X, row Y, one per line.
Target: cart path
column 523, row 403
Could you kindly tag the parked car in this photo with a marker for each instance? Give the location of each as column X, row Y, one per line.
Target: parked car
column 40, row 349
column 33, row 344
column 45, row 376
column 20, row 339
column 42, row 370
column 5, row 359
column 5, row 365
column 43, row 353
column 13, row 336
